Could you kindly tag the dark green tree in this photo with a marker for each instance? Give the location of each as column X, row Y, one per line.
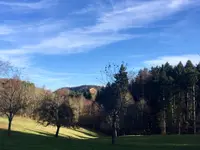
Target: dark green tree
column 165, row 81
column 179, row 89
column 191, row 78
column 114, row 96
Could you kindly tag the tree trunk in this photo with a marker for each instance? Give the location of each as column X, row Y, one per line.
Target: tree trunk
column 173, row 103
column 179, row 127
column 164, row 123
column 57, row 132
column 173, row 114
column 10, row 118
column 114, row 129
column 186, row 105
column 164, row 117
column 179, row 116
column 194, row 110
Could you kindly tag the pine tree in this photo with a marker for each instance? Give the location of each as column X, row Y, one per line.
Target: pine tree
column 179, row 92
column 191, row 77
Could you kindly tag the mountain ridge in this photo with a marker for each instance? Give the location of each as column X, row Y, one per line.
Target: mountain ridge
column 81, row 88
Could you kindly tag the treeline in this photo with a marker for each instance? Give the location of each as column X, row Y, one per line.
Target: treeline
column 164, row 99
column 59, row 108
column 171, row 96
column 161, row 100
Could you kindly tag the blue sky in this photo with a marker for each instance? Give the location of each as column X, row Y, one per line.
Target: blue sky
column 68, row 42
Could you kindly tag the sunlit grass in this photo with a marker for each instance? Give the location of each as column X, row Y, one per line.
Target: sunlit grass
column 30, row 126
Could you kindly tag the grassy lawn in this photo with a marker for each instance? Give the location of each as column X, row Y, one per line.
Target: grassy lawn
column 25, row 125
column 28, row 136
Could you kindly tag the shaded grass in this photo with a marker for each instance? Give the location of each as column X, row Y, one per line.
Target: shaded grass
column 29, row 137
column 28, row 141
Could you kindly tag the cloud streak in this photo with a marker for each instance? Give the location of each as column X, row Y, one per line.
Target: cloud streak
column 16, row 60
column 55, row 37
column 4, row 30
column 129, row 15
column 173, row 60
column 28, row 5
column 51, row 79
column 57, row 32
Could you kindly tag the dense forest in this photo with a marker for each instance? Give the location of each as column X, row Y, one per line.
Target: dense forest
column 160, row 100
column 165, row 99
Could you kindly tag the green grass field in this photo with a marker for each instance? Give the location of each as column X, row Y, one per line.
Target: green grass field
column 28, row 135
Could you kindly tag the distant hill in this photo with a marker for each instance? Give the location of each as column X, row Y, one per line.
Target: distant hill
column 84, row 88
column 81, row 89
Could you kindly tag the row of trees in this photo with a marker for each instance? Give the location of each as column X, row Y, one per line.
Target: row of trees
column 19, row 97
column 164, row 99
column 171, row 94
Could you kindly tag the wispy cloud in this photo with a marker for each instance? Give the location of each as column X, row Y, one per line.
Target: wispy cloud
column 127, row 15
column 173, row 60
column 53, row 79
column 58, row 32
column 4, row 30
column 56, row 37
column 28, row 5
column 16, row 60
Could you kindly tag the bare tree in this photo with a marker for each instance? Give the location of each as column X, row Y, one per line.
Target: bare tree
column 13, row 97
column 115, row 96
column 4, row 67
column 13, row 92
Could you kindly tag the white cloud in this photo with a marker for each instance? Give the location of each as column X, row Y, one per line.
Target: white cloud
column 177, row 3
column 173, row 60
column 39, row 71
column 55, row 37
column 90, row 8
column 53, row 79
column 29, row 5
column 52, row 36
column 128, row 15
column 20, row 61
column 74, row 42
column 4, row 30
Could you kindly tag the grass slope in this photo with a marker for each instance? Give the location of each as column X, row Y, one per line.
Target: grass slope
column 30, row 136
column 30, row 126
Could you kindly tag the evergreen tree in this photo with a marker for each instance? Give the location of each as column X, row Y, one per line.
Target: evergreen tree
column 166, row 100
column 114, row 99
column 191, row 77
column 179, row 95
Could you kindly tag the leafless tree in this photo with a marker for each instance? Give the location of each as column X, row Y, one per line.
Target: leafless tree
column 13, row 93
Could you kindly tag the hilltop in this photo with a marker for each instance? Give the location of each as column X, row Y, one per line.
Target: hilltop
column 81, row 89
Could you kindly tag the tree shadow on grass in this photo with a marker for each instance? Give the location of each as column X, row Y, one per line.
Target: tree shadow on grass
column 86, row 133
column 41, row 133
column 76, row 135
column 60, row 135
column 28, row 141
column 41, row 141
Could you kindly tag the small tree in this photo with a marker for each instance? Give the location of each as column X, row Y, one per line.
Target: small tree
column 13, row 97
column 54, row 110
column 114, row 96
